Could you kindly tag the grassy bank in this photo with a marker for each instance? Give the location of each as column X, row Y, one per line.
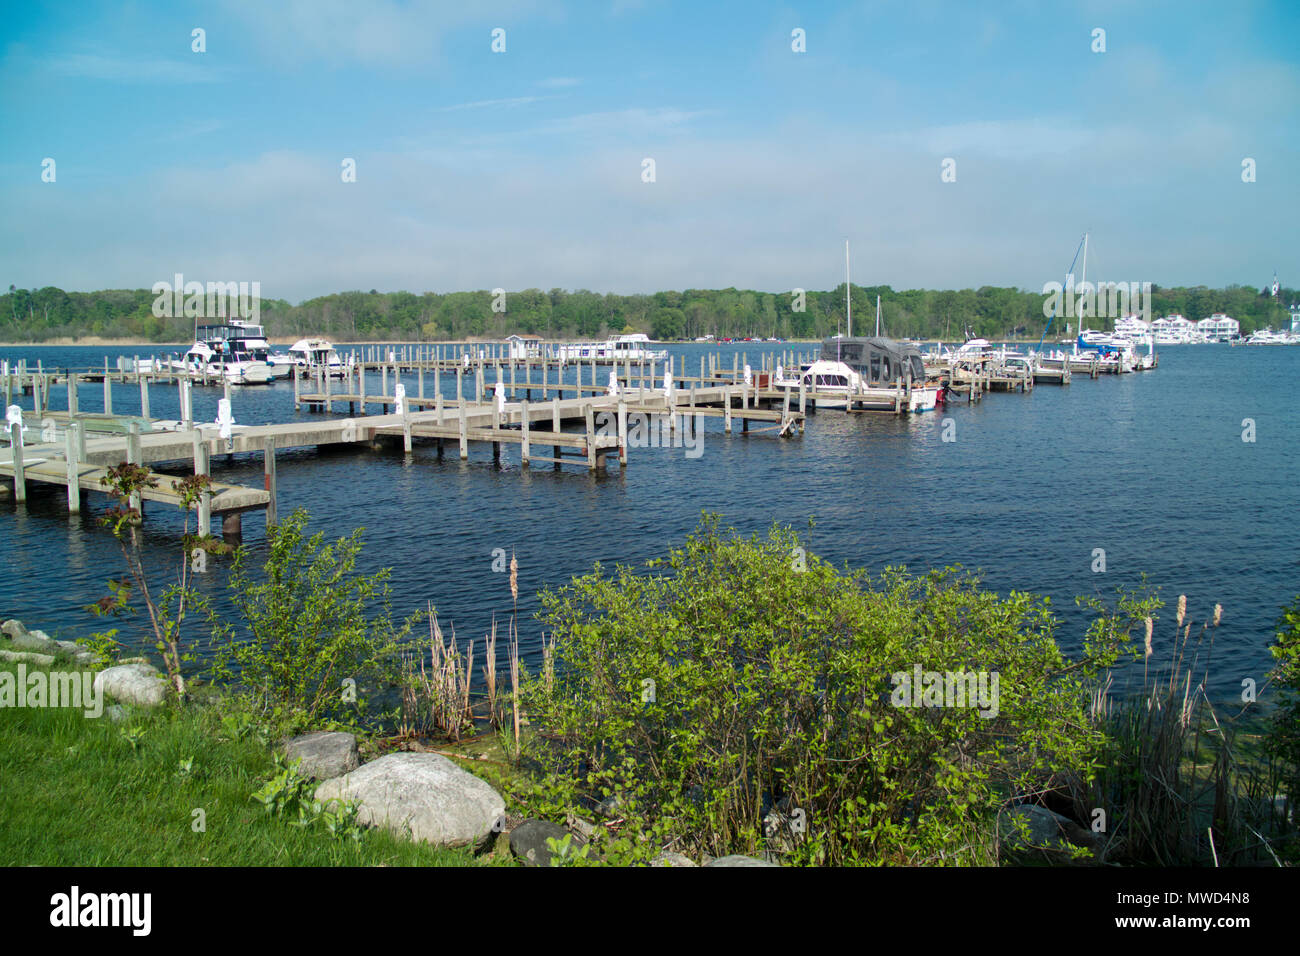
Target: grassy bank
column 94, row 792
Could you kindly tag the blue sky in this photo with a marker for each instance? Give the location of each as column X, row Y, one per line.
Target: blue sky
column 524, row 168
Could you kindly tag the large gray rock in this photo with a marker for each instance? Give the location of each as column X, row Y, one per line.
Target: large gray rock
column 21, row 639
column 12, row 628
column 139, row 684
column 28, row 657
column 737, row 860
column 423, row 796
column 1042, row 829
column 324, row 754
column 78, row 653
column 672, row 858
column 528, row 842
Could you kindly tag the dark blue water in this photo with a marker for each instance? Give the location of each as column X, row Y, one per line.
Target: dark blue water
column 1149, row 467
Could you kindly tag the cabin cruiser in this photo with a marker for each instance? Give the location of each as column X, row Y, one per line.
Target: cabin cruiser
column 223, row 360
column 865, row 372
column 313, row 354
column 634, row 347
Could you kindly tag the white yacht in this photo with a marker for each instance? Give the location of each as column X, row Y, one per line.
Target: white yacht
column 864, row 372
column 633, row 347
column 312, row 354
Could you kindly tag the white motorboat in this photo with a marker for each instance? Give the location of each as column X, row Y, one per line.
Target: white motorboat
column 221, row 362
column 634, row 347
column 311, row 355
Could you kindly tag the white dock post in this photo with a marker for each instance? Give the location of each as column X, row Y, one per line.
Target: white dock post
column 622, row 433
column 134, row 456
column 361, row 384
column 297, row 390
column 464, row 432
column 726, row 401
column 74, row 486
column 525, row 452
column 20, row 476
column 269, row 479
column 144, row 397
column 201, row 468
column 555, row 414
column 108, row 390
column 187, row 400
column 460, row 374
column 591, row 433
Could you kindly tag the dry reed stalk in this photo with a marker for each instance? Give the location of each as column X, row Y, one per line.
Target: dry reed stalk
column 514, row 683
column 490, row 674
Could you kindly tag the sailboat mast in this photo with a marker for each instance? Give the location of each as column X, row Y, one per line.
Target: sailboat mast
column 877, row 316
column 848, row 303
column 1083, row 284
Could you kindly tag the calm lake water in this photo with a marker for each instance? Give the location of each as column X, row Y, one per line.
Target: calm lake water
column 1150, row 467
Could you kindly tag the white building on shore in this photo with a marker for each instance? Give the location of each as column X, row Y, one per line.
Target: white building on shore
column 1219, row 327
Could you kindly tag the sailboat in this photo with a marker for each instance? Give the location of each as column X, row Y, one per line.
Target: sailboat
column 867, row 372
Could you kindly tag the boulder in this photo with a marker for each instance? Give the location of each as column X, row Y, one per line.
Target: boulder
column 528, row 841
column 29, row 657
column 738, row 860
column 78, row 653
column 669, row 858
column 1042, row 829
column 21, row 639
column 324, row 754
column 139, row 684
column 423, row 796
column 12, row 628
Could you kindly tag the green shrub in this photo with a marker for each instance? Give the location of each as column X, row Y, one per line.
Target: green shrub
column 1284, row 735
column 742, row 675
column 317, row 633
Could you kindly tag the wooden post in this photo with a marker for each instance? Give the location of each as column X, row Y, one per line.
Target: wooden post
column 269, row 479
column 622, row 433
column 108, row 392
column 144, row 398
column 73, row 472
column 726, row 401
column 297, row 390
column 524, row 451
column 464, row 432
column 201, row 468
column 591, row 434
column 20, row 477
column 437, row 407
column 361, row 384
column 72, row 394
column 406, row 425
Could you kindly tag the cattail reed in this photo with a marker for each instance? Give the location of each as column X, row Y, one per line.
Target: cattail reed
column 1182, row 608
column 514, row 577
column 1218, row 614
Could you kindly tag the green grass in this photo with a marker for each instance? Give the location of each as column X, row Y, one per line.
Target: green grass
column 77, row 793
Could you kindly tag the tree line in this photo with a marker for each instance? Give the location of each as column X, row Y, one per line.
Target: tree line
column 37, row 315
